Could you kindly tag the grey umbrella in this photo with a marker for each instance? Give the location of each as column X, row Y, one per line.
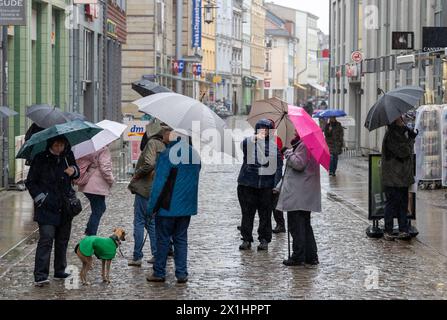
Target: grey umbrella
column 392, row 105
column 72, row 116
column 46, row 116
column 146, row 88
column 5, row 112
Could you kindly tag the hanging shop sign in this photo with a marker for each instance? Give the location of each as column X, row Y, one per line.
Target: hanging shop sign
column 135, row 130
column 197, row 23
column 92, row 11
column 434, row 39
column 403, row 41
column 197, row 69
column 12, row 12
column 217, row 79
column 178, row 66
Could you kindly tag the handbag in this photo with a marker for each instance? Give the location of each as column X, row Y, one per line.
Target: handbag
column 72, row 205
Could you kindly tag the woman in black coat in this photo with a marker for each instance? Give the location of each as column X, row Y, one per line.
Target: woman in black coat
column 49, row 179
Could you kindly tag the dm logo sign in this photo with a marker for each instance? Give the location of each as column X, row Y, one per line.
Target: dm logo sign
column 135, row 130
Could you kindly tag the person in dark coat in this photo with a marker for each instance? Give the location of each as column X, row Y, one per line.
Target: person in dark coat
column 397, row 176
column 260, row 173
column 49, row 178
column 334, row 134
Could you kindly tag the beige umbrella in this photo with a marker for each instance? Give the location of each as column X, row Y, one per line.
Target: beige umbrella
column 276, row 110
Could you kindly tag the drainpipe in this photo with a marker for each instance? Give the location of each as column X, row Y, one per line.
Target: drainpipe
column 178, row 45
column 5, row 122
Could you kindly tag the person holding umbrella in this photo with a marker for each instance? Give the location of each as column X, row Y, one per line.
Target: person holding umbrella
column 300, row 192
column 397, row 173
column 141, row 186
column 397, row 170
column 334, row 134
column 95, row 182
column 261, row 171
column 95, row 162
column 50, row 177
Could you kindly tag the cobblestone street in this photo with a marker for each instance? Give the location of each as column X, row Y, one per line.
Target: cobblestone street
column 218, row 270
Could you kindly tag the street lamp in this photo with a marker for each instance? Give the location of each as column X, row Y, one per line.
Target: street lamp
column 209, row 17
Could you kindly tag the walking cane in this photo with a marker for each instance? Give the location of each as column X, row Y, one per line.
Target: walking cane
column 288, row 234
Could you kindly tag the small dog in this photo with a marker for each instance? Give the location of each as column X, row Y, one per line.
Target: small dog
column 102, row 248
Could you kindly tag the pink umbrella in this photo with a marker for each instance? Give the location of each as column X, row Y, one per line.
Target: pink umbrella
column 311, row 135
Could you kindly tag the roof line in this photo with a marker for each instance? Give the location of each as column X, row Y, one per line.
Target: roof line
column 298, row 10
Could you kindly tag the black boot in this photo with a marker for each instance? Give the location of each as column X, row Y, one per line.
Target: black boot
column 279, row 229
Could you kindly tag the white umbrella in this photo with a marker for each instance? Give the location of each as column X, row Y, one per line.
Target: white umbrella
column 188, row 116
column 112, row 131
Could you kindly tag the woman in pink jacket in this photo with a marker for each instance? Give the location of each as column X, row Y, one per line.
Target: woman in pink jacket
column 95, row 182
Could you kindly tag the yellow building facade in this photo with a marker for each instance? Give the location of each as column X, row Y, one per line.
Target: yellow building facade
column 207, row 93
column 258, row 46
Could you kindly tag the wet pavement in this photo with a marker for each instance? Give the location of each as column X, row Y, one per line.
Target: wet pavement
column 352, row 265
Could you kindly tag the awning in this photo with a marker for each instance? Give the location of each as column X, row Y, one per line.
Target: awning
column 318, row 87
column 297, row 85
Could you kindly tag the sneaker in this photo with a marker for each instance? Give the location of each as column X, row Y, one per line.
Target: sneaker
column 279, row 229
column 245, row 245
column 404, row 236
column 151, row 260
column 61, row 276
column 134, row 263
column 388, row 236
column 153, row 278
column 41, row 283
column 182, row 280
column 293, row 263
column 263, row 246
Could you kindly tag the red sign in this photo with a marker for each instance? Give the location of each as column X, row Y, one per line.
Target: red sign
column 92, row 11
column 266, row 84
column 135, row 150
column 175, row 66
column 357, row 56
column 325, row 53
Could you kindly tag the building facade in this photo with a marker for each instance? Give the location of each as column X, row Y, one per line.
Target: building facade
column 258, row 47
column 281, row 47
column 306, row 58
column 248, row 82
column 87, row 43
column 207, row 89
column 38, row 69
column 236, row 57
column 224, row 50
column 116, row 33
column 354, row 85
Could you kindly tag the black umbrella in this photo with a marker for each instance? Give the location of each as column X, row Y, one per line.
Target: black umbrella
column 392, row 105
column 146, row 88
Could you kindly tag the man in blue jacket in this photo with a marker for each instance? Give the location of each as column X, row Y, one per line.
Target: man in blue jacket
column 260, row 173
column 174, row 199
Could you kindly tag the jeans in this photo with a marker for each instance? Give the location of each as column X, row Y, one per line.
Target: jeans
column 141, row 222
column 175, row 228
column 304, row 245
column 98, row 206
column 334, row 163
column 252, row 200
column 48, row 234
column 396, row 206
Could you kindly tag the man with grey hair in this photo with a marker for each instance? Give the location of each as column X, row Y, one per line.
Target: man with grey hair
column 141, row 186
